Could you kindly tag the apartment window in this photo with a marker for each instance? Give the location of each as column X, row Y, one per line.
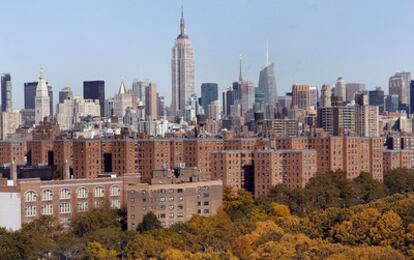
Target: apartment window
column 47, row 209
column 162, row 215
column 64, row 207
column 64, row 194
column 162, row 199
column 30, row 211
column 171, row 207
column 206, row 211
column 180, row 215
column 47, row 195
column 83, row 206
column 99, row 192
column 115, row 190
column 116, row 204
column 180, row 198
column 82, row 193
column 180, row 207
column 30, row 196
column 206, row 203
column 162, row 207
column 170, row 198
column 171, row 215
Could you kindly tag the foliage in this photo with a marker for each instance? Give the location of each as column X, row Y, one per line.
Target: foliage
column 149, row 222
column 331, row 218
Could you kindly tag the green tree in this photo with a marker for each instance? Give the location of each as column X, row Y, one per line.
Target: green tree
column 149, row 222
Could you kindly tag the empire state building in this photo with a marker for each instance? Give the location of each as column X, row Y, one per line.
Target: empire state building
column 182, row 70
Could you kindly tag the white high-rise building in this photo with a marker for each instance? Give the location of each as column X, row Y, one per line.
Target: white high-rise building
column 42, row 99
column 182, row 71
column 340, row 88
column 326, row 94
column 73, row 108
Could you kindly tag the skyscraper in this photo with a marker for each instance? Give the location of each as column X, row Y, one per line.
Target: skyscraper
column 352, row 89
column 95, row 90
column 340, row 89
column 42, row 99
column 64, row 93
column 29, row 94
column 412, row 96
column 301, row 96
column 376, row 98
column 267, row 82
column 209, row 93
column 50, row 94
column 6, row 92
column 326, row 93
column 182, row 70
column 399, row 84
column 151, row 101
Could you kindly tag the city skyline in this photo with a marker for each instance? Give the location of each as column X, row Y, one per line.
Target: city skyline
column 327, row 52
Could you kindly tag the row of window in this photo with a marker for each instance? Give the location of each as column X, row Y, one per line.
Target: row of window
column 65, row 207
column 82, row 193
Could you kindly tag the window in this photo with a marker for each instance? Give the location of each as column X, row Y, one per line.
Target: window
column 47, row 209
column 64, row 194
column 30, row 196
column 30, row 211
column 206, row 211
column 162, row 215
column 162, row 199
column 83, row 206
column 47, row 195
column 64, row 207
column 171, row 207
column 180, row 198
column 180, row 207
column 99, row 192
column 82, row 193
column 180, row 215
column 170, row 198
column 171, row 215
column 116, row 204
column 115, row 190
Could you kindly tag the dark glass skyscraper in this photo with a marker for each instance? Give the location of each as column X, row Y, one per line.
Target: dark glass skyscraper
column 95, row 90
column 376, row 98
column 29, row 94
column 209, row 93
column 6, row 92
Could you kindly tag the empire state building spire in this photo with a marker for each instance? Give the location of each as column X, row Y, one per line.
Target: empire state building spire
column 182, row 35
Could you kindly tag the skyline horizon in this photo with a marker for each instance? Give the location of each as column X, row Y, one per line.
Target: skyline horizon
column 255, row 63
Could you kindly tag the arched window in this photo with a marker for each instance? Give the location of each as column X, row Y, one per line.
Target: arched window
column 30, row 196
column 82, row 193
column 115, row 190
column 64, row 194
column 47, row 195
column 99, row 192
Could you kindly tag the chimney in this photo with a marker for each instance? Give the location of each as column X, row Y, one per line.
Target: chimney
column 66, row 170
column 13, row 173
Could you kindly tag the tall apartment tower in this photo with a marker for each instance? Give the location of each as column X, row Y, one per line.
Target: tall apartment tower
column 6, row 92
column 42, row 99
column 301, row 96
column 399, row 84
column 340, row 88
column 30, row 94
column 326, row 93
column 209, row 93
column 95, row 90
column 267, row 82
column 182, row 70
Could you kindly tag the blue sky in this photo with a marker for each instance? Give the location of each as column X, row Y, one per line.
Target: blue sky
column 309, row 41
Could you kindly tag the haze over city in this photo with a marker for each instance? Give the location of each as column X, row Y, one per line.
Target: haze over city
column 310, row 42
